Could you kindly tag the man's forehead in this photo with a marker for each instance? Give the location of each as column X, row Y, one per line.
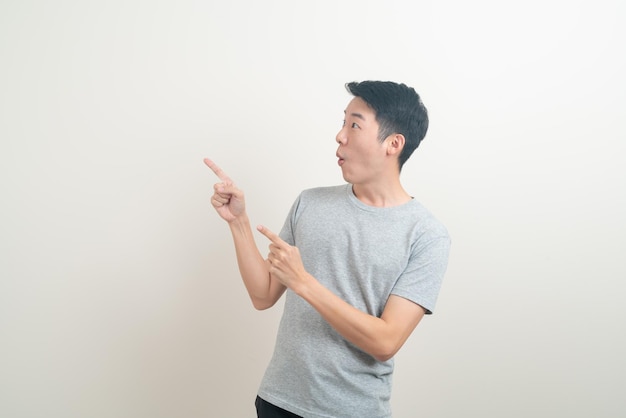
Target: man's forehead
column 359, row 109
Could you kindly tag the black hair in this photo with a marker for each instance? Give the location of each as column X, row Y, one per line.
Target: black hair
column 399, row 110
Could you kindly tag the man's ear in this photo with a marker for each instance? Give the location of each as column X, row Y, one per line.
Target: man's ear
column 395, row 144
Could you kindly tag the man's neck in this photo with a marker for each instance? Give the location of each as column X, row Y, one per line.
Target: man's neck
column 381, row 194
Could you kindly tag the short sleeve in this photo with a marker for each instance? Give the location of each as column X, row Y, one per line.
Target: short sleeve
column 421, row 280
column 286, row 233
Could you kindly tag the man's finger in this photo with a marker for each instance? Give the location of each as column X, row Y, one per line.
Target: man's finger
column 218, row 171
column 270, row 235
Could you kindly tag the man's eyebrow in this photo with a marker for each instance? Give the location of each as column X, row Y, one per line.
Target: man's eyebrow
column 356, row 115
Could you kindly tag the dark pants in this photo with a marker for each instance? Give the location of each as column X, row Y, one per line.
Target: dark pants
column 265, row 409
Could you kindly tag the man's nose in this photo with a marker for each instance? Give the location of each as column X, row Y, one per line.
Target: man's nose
column 341, row 137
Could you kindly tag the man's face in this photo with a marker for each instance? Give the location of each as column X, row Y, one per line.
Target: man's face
column 361, row 155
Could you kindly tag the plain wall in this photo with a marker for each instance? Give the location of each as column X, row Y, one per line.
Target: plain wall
column 119, row 293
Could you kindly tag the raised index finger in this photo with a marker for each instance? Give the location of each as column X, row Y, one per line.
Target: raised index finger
column 218, row 171
column 270, row 235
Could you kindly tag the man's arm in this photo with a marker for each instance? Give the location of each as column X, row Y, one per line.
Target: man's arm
column 229, row 203
column 380, row 337
column 264, row 291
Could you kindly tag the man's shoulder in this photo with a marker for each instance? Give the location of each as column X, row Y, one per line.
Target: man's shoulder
column 323, row 192
column 322, row 199
column 427, row 219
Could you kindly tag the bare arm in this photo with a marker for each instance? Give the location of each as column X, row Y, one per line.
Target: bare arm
column 380, row 337
column 229, row 203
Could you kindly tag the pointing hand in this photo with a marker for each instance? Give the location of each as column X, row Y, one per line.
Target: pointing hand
column 285, row 261
column 227, row 199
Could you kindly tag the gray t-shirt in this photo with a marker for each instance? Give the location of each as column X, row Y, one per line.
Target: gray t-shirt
column 363, row 254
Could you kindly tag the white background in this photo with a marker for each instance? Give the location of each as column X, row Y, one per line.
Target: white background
column 119, row 294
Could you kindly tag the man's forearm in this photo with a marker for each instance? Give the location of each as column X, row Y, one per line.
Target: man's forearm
column 380, row 337
column 254, row 270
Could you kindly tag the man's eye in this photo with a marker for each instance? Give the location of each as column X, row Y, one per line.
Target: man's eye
column 355, row 125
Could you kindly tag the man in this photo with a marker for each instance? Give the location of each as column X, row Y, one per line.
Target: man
column 361, row 264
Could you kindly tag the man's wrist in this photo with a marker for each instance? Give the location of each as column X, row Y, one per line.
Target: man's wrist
column 239, row 222
column 304, row 286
